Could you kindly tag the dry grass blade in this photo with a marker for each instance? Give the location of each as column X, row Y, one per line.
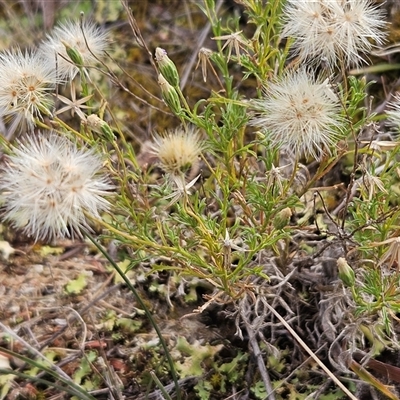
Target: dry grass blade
column 311, row 353
column 136, row 31
column 363, row 374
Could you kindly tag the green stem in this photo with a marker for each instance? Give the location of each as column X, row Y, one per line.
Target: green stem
column 146, row 310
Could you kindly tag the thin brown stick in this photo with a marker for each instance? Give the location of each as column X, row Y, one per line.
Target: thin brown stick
column 311, row 353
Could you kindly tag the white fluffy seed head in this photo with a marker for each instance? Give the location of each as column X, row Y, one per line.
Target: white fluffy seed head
column 26, row 84
column 334, row 31
column 87, row 39
column 49, row 184
column 299, row 114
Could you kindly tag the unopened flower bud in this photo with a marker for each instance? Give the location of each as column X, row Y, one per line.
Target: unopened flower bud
column 282, row 218
column 346, row 273
column 73, row 54
column 98, row 125
column 167, row 67
column 169, row 95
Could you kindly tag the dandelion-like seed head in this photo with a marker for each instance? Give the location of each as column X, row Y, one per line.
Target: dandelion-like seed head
column 334, row 30
column 85, row 38
column 178, row 151
column 178, row 154
column 26, row 84
column 49, row 184
column 299, row 114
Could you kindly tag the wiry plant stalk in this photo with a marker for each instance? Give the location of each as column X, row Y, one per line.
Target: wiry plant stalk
column 147, row 312
column 310, row 352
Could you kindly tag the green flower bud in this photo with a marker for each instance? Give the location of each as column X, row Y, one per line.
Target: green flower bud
column 169, row 95
column 73, row 54
column 98, row 125
column 167, row 67
column 346, row 273
column 282, row 218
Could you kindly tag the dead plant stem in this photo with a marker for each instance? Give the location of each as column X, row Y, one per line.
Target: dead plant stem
column 258, row 355
column 310, row 352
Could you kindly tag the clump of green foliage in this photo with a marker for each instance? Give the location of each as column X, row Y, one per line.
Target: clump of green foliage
column 258, row 196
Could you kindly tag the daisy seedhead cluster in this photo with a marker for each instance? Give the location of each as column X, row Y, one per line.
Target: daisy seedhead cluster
column 26, row 84
column 299, row 114
column 49, row 184
column 73, row 45
column 335, row 31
